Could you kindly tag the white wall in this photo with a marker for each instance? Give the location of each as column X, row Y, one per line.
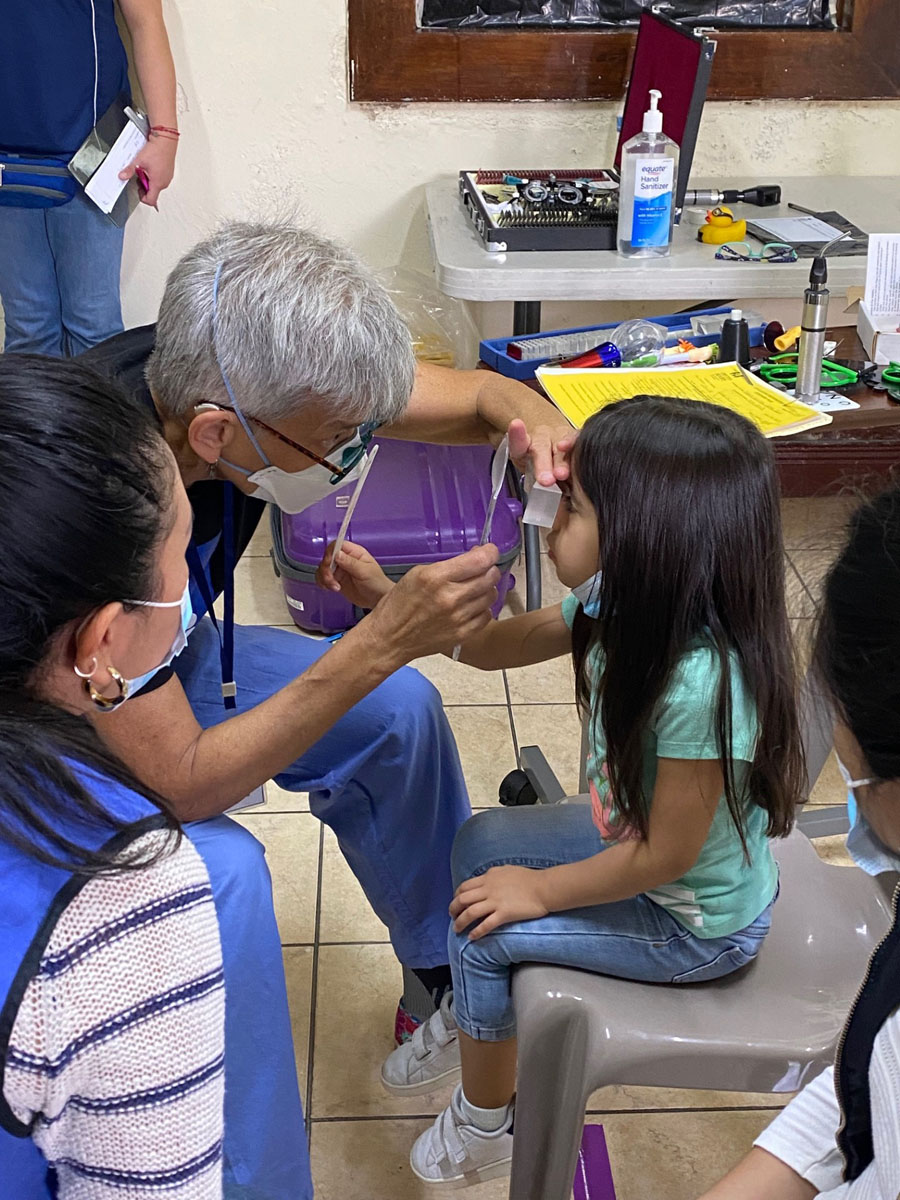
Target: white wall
column 267, row 126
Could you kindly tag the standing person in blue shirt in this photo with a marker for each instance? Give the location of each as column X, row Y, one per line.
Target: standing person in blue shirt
column 62, row 64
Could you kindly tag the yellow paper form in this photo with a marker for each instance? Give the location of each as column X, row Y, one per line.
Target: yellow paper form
column 579, row 394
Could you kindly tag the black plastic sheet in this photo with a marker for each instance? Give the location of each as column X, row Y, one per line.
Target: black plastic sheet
column 570, row 14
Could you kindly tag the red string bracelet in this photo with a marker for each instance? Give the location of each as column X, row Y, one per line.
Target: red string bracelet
column 164, row 129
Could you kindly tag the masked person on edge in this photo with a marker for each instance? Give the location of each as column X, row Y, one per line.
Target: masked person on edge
column 275, row 356
column 112, row 1034
column 839, row 1139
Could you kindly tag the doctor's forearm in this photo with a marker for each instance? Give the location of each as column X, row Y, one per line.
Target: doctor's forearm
column 468, row 407
column 229, row 760
column 202, row 772
column 501, row 400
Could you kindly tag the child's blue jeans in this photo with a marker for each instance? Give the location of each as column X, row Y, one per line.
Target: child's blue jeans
column 633, row 939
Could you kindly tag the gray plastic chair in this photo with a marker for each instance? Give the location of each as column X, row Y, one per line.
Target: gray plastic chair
column 768, row 1028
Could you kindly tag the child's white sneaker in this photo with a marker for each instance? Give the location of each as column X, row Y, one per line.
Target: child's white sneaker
column 455, row 1154
column 429, row 1059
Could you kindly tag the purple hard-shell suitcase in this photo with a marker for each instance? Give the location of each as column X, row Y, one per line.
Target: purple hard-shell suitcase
column 421, row 504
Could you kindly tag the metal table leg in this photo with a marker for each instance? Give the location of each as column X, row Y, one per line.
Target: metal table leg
column 527, row 319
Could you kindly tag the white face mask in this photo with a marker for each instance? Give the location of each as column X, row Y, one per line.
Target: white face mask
column 188, row 621
column 293, row 491
column 589, row 594
column 863, row 844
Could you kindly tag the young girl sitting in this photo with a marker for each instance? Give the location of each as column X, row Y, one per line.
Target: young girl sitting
column 669, row 533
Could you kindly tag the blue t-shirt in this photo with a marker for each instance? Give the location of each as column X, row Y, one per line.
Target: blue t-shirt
column 721, row 893
column 47, row 72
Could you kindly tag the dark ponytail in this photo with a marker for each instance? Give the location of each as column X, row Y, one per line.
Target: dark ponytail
column 85, row 489
column 857, row 644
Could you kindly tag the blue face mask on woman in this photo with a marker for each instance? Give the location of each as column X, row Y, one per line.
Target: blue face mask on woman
column 863, row 844
column 188, row 621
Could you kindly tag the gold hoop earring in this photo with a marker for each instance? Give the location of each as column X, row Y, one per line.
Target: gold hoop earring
column 104, row 703
column 89, row 673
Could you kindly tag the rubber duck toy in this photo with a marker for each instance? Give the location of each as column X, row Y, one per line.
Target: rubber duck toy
column 721, row 227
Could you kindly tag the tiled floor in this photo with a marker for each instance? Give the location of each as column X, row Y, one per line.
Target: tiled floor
column 343, row 979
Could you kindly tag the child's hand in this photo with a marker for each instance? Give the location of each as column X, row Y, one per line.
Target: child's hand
column 499, row 896
column 356, row 575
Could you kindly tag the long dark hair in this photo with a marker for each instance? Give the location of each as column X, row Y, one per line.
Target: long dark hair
column 689, row 520
column 856, row 651
column 85, row 489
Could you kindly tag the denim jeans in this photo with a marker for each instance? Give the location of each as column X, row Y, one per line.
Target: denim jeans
column 632, row 939
column 59, row 277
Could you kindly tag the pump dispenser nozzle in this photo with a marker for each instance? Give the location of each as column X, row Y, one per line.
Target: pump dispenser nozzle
column 653, row 117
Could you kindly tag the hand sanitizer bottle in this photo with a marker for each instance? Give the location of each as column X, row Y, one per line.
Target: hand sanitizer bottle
column 647, row 189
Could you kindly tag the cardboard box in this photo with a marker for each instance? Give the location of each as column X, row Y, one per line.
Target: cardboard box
column 879, row 312
column 879, row 335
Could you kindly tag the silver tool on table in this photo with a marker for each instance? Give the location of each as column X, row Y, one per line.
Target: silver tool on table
column 813, row 324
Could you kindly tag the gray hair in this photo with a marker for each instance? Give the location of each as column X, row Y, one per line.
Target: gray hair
column 298, row 318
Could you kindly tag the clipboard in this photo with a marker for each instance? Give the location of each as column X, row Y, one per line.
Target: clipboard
column 856, row 243
column 95, row 149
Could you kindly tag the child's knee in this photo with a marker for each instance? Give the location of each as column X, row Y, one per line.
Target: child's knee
column 475, row 846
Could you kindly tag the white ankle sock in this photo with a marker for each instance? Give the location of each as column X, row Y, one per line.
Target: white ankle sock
column 488, row 1120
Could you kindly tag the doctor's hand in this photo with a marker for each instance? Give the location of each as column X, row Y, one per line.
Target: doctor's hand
column 356, row 575
column 437, row 606
column 545, row 447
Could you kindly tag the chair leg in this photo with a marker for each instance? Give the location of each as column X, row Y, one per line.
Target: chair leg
column 816, row 728
column 551, row 1097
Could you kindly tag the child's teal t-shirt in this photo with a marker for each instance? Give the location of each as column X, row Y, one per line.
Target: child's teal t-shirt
column 721, row 893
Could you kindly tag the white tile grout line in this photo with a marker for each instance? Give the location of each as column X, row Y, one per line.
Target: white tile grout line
column 313, row 989
column 590, row 1112
column 512, row 723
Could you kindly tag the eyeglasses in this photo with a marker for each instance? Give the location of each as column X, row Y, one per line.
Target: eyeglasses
column 782, row 368
column 349, row 458
column 773, row 252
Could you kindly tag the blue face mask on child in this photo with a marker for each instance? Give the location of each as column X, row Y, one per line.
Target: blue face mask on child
column 863, row 844
column 589, row 594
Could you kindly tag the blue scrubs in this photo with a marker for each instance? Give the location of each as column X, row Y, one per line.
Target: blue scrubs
column 266, row 1156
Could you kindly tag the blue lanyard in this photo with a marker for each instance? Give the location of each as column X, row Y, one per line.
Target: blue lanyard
column 200, row 577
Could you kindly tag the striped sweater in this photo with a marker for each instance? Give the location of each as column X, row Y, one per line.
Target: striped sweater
column 117, row 1050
